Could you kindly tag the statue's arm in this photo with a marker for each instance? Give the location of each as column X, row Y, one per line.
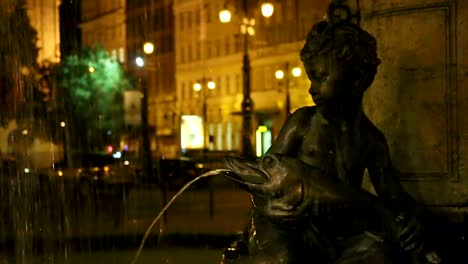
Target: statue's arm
column 384, row 177
column 288, row 140
column 392, row 194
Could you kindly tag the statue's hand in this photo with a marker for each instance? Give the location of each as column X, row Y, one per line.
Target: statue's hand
column 408, row 231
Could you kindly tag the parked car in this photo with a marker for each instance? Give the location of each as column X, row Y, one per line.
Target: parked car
column 104, row 174
column 175, row 173
column 92, row 174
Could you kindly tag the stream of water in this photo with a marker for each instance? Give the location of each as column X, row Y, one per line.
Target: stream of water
column 166, row 207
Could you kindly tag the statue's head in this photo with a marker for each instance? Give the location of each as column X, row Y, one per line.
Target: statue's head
column 341, row 61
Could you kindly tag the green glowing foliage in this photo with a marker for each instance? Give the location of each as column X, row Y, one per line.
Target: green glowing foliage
column 90, row 91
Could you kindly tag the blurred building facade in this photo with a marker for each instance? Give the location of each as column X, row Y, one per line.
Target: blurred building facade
column 152, row 21
column 44, row 17
column 208, row 50
column 103, row 23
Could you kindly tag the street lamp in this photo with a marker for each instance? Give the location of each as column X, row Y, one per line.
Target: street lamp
column 140, row 62
column 267, row 9
column 148, row 48
column 246, row 29
column 280, row 74
column 202, row 85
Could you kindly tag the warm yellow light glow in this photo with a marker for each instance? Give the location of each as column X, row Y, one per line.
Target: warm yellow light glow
column 267, row 9
column 262, row 129
column 91, row 69
column 126, row 162
column 211, row 85
column 60, row 173
column 296, row 71
column 250, row 31
column 62, row 124
column 25, row 132
column 197, row 87
column 148, row 47
column 279, row 74
column 225, row 16
column 106, row 169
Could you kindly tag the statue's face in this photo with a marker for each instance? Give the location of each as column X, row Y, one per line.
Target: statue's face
column 332, row 82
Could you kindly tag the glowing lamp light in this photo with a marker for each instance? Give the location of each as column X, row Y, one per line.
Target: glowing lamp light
column 117, row 155
column 148, row 47
column 296, row 71
column 197, row 87
column 267, row 9
column 211, row 85
column 25, row 132
column 225, row 16
column 139, row 62
column 91, row 69
column 62, row 124
column 126, row 162
column 279, row 74
column 26, row 170
column 110, row 149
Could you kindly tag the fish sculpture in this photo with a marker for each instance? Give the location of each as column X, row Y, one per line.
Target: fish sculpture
column 282, row 231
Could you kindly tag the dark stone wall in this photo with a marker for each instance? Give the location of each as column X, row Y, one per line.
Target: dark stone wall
column 419, row 96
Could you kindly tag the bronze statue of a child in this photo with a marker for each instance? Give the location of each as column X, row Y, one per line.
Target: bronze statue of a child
column 340, row 59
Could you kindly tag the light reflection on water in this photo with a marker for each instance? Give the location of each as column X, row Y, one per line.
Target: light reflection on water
column 166, row 255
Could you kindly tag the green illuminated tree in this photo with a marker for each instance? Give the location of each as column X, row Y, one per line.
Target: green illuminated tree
column 90, row 88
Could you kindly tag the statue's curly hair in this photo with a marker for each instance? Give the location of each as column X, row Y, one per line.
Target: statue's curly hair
column 348, row 43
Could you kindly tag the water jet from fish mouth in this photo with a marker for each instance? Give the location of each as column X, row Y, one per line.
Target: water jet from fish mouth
column 150, row 228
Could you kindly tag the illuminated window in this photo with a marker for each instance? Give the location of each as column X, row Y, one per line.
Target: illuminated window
column 121, row 55
column 114, row 54
column 219, row 137
column 229, row 136
column 211, row 129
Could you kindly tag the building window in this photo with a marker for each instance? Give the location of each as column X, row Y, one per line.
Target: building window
column 229, row 136
column 197, row 51
column 218, row 48
column 211, row 129
column 208, row 13
column 197, row 18
column 238, row 83
column 228, row 85
column 227, row 46
column 219, row 137
column 208, row 49
column 237, row 129
column 182, row 91
column 237, row 44
column 189, row 20
column 121, row 55
column 182, row 21
column 182, row 54
column 114, row 54
column 189, row 53
column 220, row 86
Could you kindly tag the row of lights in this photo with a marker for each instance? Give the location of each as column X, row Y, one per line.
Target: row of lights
column 267, row 10
column 296, row 72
